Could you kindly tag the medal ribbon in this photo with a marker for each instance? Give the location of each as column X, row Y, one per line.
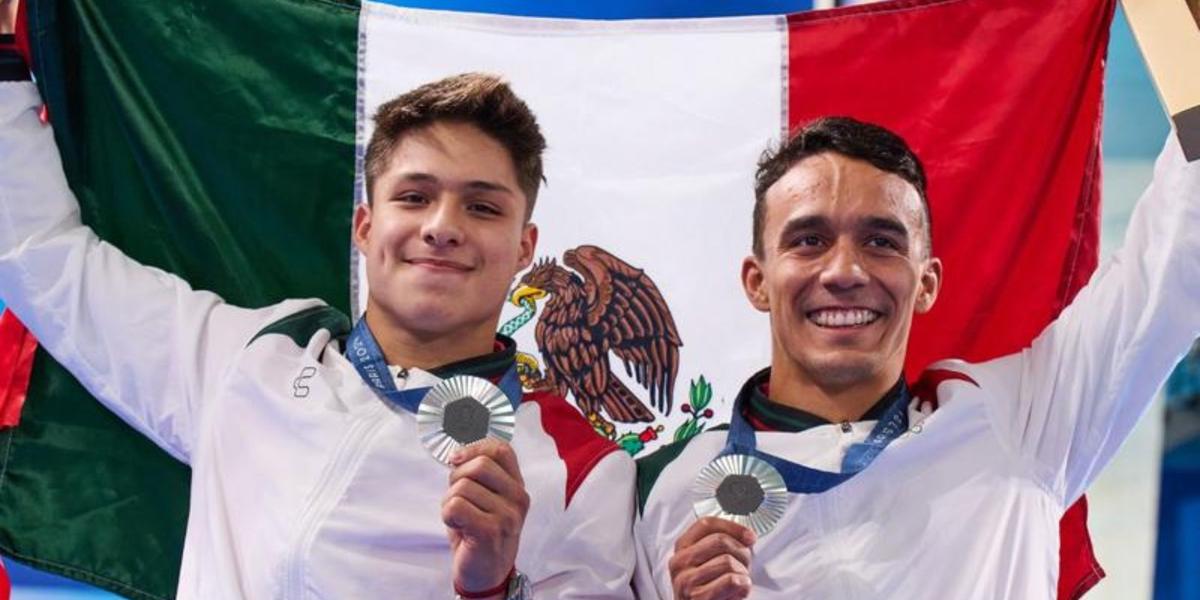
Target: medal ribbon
column 364, row 353
column 806, row 480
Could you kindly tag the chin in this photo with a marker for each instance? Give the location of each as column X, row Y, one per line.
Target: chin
column 842, row 371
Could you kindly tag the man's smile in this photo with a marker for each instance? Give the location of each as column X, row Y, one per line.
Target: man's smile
column 843, row 317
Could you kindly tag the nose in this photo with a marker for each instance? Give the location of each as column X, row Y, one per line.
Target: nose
column 442, row 226
column 844, row 269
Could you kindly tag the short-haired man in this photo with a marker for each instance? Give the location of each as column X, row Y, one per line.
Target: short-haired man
column 954, row 490
column 330, row 493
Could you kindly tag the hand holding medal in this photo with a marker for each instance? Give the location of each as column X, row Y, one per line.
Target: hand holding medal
column 465, row 423
column 484, row 511
column 712, row 560
column 737, row 498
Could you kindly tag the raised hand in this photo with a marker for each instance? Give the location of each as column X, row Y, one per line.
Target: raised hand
column 484, row 510
column 712, row 561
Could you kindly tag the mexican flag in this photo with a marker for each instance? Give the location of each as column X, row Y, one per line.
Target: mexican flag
column 223, row 140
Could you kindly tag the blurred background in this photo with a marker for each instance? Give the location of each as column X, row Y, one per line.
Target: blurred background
column 1145, row 509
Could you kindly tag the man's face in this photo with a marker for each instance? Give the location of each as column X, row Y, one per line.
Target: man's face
column 843, row 269
column 445, row 232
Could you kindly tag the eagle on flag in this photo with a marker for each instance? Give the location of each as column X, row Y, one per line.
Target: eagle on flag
column 606, row 305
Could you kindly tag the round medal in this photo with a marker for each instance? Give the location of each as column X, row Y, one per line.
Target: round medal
column 743, row 489
column 460, row 411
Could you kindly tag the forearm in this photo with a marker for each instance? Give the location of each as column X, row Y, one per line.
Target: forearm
column 139, row 339
column 1090, row 375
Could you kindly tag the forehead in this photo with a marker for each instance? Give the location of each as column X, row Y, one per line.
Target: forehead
column 843, row 190
column 454, row 152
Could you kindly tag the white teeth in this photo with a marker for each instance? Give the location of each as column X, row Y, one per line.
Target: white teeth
column 843, row 317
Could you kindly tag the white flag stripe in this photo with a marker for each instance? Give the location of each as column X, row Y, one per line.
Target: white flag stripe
column 654, row 128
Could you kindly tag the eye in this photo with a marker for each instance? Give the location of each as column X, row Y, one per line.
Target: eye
column 806, row 241
column 879, row 241
column 484, row 208
column 415, row 198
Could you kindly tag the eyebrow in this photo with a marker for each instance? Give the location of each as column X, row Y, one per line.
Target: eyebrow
column 886, row 224
column 803, row 223
column 487, row 186
column 819, row 222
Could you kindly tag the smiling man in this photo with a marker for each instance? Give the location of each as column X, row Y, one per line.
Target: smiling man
column 863, row 488
column 313, row 475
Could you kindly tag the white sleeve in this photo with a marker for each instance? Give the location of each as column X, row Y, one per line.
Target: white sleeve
column 139, row 339
column 593, row 549
column 1084, row 382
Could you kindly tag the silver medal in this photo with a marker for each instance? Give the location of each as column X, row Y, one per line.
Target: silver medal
column 460, row 411
column 742, row 489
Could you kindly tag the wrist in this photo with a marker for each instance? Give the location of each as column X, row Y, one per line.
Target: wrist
column 499, row 592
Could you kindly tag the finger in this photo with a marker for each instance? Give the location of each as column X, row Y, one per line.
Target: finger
column 463, row 515
column 486, row 472
column 713, row 545
column 481, row 497
column 500, row 452
column 716, row 568
column 708, row 525
column 721, row 576
column 729, row 586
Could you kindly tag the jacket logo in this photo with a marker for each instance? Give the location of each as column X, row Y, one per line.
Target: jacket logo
column 299, row 387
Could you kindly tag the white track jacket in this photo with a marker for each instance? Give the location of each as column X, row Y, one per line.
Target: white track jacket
column 966, row 504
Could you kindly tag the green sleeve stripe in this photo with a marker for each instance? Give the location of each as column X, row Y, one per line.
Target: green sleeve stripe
column 303, row 325
column 650, row 467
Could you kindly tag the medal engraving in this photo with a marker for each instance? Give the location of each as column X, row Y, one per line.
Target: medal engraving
column 460, row 411
column 740, row 494
column 466, row 420
column 741, row 488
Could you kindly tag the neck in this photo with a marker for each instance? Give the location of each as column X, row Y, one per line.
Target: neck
column 836, row 403
column 405, row 348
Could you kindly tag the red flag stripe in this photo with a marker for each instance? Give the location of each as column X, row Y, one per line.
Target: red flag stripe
column 17, row 347
column 1005, row 113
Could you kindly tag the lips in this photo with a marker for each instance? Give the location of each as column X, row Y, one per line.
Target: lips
column 439, row 264
column 843, row 318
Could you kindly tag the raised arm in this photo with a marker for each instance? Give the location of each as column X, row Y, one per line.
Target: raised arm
column 141, row 340
column 1085, row 381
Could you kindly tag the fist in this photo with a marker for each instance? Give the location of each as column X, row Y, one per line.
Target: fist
column 484, row 510
column 712, row 561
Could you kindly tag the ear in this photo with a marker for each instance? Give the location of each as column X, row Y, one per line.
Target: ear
column 529, row 238
column 753, row 284
column 929, row 285
column 362, row 226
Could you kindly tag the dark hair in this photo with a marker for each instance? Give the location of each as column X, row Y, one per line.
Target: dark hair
column 480, row 99
column 848, row 137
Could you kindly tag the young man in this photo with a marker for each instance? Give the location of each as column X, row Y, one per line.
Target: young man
column 953, row 489
column 309, row 480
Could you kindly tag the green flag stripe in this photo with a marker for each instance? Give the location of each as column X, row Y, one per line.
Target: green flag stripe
column 191, row 121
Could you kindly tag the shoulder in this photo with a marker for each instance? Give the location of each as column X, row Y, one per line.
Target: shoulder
column 579, row 447
column 652, row 466
column 300, row 320
column 925, row 390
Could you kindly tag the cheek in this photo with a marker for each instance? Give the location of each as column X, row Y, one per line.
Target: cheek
column 504, row 250
column 789, row 281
